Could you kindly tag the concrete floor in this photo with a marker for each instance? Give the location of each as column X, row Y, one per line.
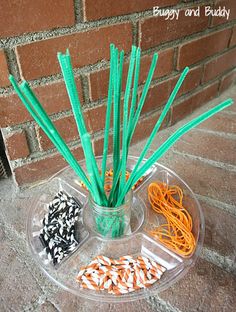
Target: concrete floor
column 206, row 159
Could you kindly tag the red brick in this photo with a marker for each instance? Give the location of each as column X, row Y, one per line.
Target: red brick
column 191, row 81
column 205, row 288
column 232, row 108
column 209, row 146
column 164, row 65
column 228, row 4
column 227, row 81
column 26, row 16
column 146, row 125
column 16, row 145
column 4, row 73
column 87, row 47
column 221, row 122
column 193, row 102
column 96, row 118
column 98, row 146
column 205, row 179
column 197, row 50
column 233, row 38
column 99, row 79
column 220, row 231
column 219, row 65
column 53, row 97
column 66, row 127
column 159, row 94
column 43, row 169
column 99, row 82
column 101, row 9
column 156, row 30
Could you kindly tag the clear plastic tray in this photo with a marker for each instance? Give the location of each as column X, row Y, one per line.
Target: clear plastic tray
column 136, row 242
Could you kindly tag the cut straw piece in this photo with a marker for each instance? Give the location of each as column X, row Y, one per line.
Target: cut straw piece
column 66, row 67
column 108, row 116
column 168, row 143
column 160, row 120
column 143, row 96
column 52, row 133
column 125, row 117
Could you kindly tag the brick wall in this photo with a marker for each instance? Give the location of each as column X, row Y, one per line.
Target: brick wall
column 32, row 32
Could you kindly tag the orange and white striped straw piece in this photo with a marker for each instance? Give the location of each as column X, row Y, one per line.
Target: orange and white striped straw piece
column 119, row 276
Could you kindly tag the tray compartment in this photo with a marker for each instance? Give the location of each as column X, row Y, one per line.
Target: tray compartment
column 137, row 244
column 189, row 201
column 40, row 209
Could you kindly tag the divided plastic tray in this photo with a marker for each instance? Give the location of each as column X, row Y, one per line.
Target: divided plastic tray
column 136, row 242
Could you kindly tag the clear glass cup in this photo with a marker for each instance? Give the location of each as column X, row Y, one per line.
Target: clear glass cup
column 112, row 222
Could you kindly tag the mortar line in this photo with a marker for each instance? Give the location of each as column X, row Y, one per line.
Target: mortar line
column 165, row 306
column 41, row 299
column 78, row 11
column 37, row 156
column 99, row 134
column 229, row 112
column 176, row 50
column 217, row 259
column 88, row 25
column 12, row 63
column 186, row 39
column 135, row 31
column 223, row 74
column 194, row 92
column 101, row 102
column 231, row 209
column 104, row 64
column 78, row 27
column 86, row 106
column 225, row 135
column 217, row 164
column 64, row 114
column 40, row 155
column 30, row 123
column 85, row 82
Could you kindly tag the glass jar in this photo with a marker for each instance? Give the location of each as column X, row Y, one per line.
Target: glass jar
column 111, row 222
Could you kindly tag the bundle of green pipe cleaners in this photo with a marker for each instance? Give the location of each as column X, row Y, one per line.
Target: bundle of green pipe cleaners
column 130, row 112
